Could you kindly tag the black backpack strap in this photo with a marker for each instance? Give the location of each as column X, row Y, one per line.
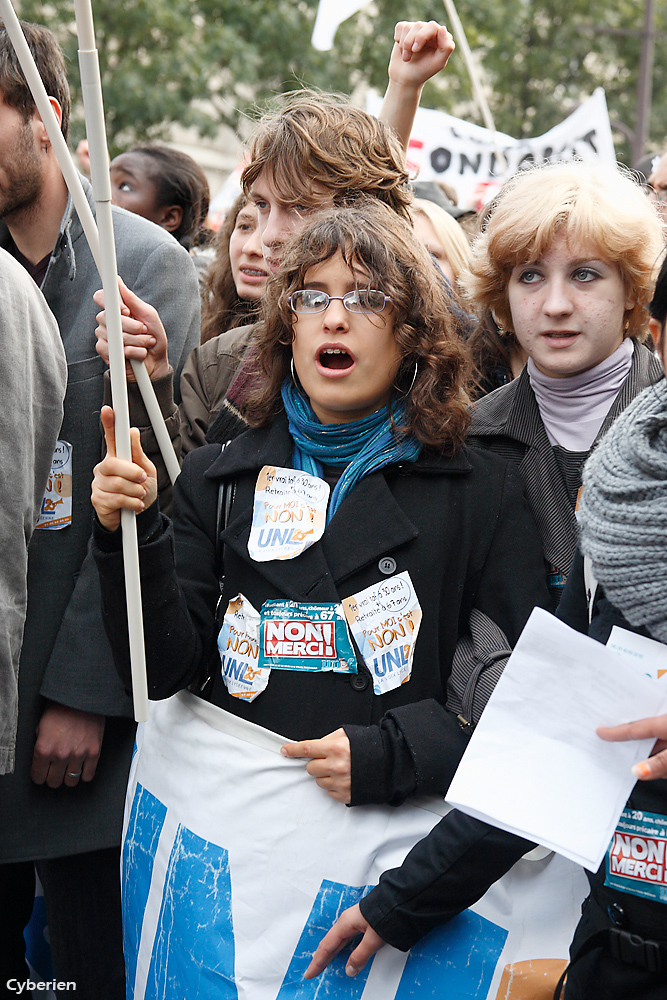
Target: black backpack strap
column 621, row 944
column 226, row 494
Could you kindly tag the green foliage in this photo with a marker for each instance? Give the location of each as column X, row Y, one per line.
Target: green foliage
column 150, row 72
column 202, row 62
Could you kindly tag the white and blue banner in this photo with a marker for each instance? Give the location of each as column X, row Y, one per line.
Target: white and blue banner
column 235, row 864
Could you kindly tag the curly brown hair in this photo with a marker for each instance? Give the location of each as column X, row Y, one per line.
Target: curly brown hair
column 372, row 237
column 320, row 141
column 222, row 307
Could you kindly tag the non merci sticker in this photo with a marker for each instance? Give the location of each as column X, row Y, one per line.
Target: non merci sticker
column 56, row 509
column 311, row 637
column 238, row 645
column 636, row 860
column 289, row 513
column 384, row 620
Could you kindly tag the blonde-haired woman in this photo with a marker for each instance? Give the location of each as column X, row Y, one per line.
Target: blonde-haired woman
column 565, row 263
column 442, row 236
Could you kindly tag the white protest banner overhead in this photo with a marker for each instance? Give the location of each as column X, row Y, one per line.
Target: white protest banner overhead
column 235, row 864
column 330, row 14
column 444, row 148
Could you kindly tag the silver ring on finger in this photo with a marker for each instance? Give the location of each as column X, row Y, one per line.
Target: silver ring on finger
column 73, row 774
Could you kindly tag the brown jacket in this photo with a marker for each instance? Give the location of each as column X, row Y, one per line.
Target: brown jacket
column 206, row 377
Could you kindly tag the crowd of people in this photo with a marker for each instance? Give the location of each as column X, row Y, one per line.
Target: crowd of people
column 438, row 396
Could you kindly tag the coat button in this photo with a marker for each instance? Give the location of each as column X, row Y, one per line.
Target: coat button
column 387, row 565
column 358, row 682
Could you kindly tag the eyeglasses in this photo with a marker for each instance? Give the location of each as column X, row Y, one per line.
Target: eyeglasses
column 361, row 300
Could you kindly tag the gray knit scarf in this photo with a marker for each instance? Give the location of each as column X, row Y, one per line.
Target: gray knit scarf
column 624, row 512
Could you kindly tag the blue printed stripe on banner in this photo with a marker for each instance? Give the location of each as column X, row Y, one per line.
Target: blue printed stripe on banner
column 193, row 952
column 332, row 899
column 143, row 832
column 456, row 961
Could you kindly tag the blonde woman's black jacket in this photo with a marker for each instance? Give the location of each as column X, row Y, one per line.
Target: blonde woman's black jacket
column 459, row 525
column 508, row 422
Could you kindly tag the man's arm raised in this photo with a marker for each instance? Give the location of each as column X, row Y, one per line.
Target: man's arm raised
column 421, row 49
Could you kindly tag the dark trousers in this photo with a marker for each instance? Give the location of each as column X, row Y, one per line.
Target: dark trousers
column 83, row 910
column 17, row 893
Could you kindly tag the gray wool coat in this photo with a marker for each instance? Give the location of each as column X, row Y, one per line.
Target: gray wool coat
column 33, row 377
column 66, row 657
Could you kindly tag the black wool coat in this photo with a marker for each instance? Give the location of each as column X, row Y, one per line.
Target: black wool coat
column 458, row 525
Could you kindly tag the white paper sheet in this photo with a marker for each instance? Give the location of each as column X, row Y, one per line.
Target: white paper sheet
column 535, row 765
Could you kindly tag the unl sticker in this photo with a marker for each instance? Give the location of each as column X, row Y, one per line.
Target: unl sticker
column 305, row 637
column 56, row 510
column 637, row 859
column 238, row 645
column 384, row 620
column 289, row 513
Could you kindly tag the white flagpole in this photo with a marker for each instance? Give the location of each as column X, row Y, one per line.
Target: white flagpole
column 462, row 42
column 108, row 273
column 93, row 106
column 91, row 87
column 85, row 214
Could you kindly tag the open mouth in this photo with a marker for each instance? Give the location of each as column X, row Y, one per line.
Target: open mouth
column 336, row 359
column 250, row 272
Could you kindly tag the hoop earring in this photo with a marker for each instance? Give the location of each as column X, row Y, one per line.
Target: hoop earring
column 414, row 379
column 293, row 373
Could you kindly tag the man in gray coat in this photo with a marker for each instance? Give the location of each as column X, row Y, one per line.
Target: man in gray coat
column 62, row 808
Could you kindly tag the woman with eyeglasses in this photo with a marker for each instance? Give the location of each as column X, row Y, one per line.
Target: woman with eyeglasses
column 359, row 407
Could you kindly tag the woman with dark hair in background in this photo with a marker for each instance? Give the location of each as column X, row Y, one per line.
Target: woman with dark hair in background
column 163, row 185
column 497, row 357
column 235, row 280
